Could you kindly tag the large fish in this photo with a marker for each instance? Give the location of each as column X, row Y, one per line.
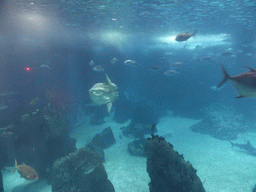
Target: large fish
column 184, row 36
column 245, row 83
column 104, row 93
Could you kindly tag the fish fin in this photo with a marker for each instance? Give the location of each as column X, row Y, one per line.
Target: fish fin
column 231, row 143
column 248, row 143
column 194, row 32
column 109, row 106
column 107, row 79
column 15, row 166
column 225, row 76
column 251, row 69
column 239, row 96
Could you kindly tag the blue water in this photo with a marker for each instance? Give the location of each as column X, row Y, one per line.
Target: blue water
column 67, row 35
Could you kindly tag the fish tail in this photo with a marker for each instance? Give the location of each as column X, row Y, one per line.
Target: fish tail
column 16, row 166
column 232, row 143
column 194, row 32
column 225, row 77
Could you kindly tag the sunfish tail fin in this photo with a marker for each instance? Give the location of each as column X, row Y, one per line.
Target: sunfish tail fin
column 195, row 32
column 225, row 76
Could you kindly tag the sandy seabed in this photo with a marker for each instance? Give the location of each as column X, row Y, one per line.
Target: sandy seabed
column 220, row 167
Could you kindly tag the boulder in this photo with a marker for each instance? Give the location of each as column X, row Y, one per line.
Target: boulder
column 104, row 140
column 168, row 170
column 80, row 171
column 137, row 147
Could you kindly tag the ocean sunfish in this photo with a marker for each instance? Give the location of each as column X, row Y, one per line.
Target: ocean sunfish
column 104, row 93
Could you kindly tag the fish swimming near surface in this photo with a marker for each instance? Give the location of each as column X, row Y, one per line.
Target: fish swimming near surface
column 130, row 62
column 184, row 36
column 3, row 106
column 98, row 68
column 26, row 171
column 113, row 61
column 91, row 63
column 170, row 72
column 154, row 68
column 8, row 93
column 245, row 83
column 104, row 93
column 248, row 148
column 227, row 53
column 177, row 63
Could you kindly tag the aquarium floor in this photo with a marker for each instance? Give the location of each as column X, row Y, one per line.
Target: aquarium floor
column 220, row 167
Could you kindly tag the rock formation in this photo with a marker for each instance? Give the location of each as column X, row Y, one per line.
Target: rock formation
column 168, row 170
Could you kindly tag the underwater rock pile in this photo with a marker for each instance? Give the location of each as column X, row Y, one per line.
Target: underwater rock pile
column 221, row 122
column 137, row 147
column 104, row 140
column 140, row 125
column 37, row 138
column 168, row 170
column 80, row 171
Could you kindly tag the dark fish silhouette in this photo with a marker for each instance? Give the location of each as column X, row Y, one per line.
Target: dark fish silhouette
column 184, row 36
column 245, row 83
column 248, row 148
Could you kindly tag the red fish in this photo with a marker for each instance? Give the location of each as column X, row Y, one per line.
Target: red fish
column 184, row 36
column 245, row 83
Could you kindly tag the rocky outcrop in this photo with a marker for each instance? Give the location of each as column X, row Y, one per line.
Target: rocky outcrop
column 37, row 139
column 80, row 171
column 137, row 147
column 104, row 140
column 168, row 170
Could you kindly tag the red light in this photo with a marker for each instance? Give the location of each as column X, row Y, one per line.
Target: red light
column 28, row 68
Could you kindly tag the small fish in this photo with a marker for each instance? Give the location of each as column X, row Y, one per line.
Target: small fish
column 245, row 83
column 91, row 63
column 26, row 171
column 170, row 73
column 184, row 36
column 113, row 61
column 3, row 107
column 130, row 62
column 98, row 68
column 207, row 58
column 177, row 63
column 155, row 68
column 34, row 101
column 227, row 53
column 8, row 93
column 45, row 66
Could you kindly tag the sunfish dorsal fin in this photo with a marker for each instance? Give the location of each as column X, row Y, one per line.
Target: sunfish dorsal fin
column 107, row 79
column 109, row 106
column 251, row 69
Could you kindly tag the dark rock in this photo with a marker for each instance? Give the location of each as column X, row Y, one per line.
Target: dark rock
column 105, row 139
column 137, row 130
column 254, row 189
column 168, row 171
column 137, row 147
column 208, row 126
column 97, row 150
column 80, row 171
column 1, row 182
column 7, row 147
